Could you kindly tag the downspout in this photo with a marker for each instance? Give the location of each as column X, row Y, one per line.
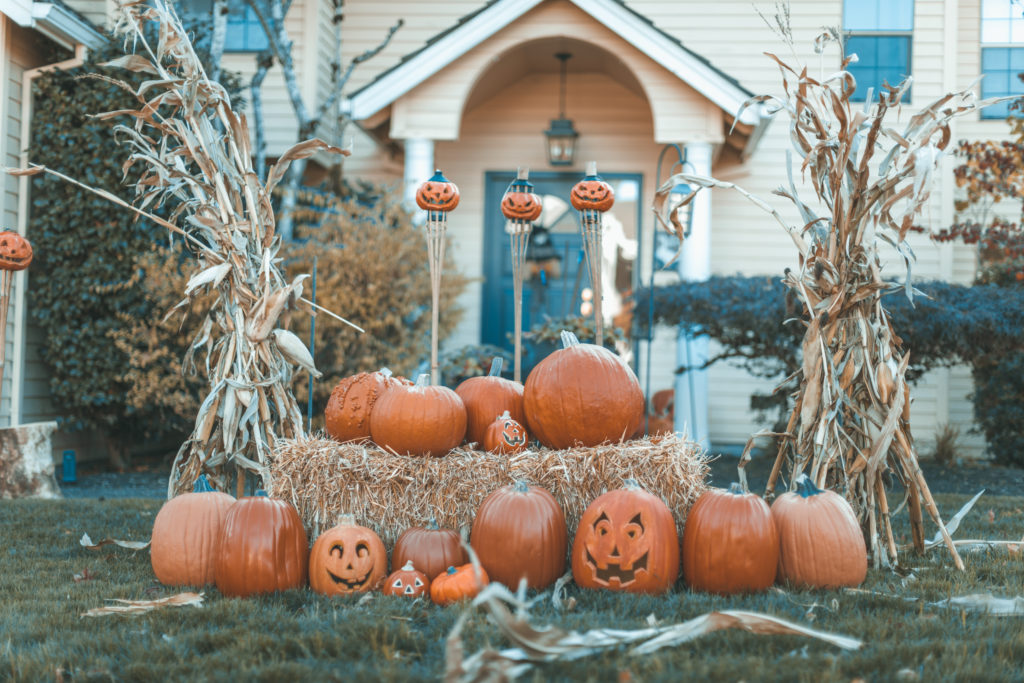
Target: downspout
column 18, row 359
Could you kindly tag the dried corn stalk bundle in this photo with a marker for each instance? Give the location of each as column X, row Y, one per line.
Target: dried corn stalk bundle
column 850, row 422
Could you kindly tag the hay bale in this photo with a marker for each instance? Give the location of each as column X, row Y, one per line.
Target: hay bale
column 390, row 493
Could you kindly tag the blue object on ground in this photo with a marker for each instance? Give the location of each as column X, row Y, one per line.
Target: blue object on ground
column 67, row 470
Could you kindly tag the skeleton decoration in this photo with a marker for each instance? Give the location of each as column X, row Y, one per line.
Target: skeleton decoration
column 592, row 197
column 521, row 207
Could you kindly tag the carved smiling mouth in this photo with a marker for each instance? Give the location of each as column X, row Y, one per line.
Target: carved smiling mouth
column 351, row 584
column 615, row 571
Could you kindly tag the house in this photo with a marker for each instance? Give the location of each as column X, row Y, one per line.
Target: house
column 471, row 86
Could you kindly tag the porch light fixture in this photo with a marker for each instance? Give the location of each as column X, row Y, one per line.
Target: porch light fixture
column 561, row 136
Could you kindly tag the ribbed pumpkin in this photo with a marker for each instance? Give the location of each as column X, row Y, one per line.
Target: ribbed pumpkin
column 626, row 541
column 488, row 397
column 430, row 548
column 347, row 558
column 505, row 436
column 419, row 420
column 582, row 395
column 347, row 416
column 730, row 544
column 520, row 531
column 263, row 548
column 186, row 534
column 820, row 542
column 458, row 583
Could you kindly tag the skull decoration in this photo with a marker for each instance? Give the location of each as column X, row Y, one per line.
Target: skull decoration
column 626, row 541
column 407, row 582
column 437, row 194
column 520, row 204
column 505, row 436
column 15, row 251
column 347, row 559
column 593, row 194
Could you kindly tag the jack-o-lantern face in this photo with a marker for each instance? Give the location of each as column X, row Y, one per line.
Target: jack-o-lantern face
column 347, row 559
column 505, row 436
column 512, row 433
column 592, row 193
column 626, row 541
column 520, row 203
column 407, row 582
column 15, row 251
column 437, row 194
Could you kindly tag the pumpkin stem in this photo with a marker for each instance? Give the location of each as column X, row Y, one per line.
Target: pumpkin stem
column 569, row 339
column 408, row 566
column 631, row 484
column 736, row 488
column 504, row 416
column 432, row 524
column 451, row 570
column 261, row 493
column 423, row 380
column 496, row 366
column 386, row 372
column 202, row 485
column 520, row 486
column 346, row 519
column 805, row 487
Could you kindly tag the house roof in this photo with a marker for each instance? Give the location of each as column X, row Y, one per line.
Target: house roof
column 633, row 27
column 55, row 20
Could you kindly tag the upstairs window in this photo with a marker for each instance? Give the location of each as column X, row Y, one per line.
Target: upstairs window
column 1002, row 53
column 244, row 31
column 880, row 33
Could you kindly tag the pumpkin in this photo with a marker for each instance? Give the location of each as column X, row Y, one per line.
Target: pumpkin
column 347, row 558
column 520, row 204
column 626, row 541
column 437, row 194
column 15, row 251
column 263, row 548
column 407, row 582
column 820, row 542
column 186, row 534
column 592, row 194
column 347, row 416
column 458, row 583
column 582, row 395
column 486, row 398
column 431, row 549
column 730, row 544
column 505, row 436
column 519, row 532
column 419, row 419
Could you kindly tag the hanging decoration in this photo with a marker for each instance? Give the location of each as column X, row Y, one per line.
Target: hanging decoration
column 592, row 197
column 437, row 197
column 521, row 207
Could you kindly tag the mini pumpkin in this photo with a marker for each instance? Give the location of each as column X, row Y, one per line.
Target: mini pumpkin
column 505, row 436
column 430, row 548
column 347, row 416
column 458, row 583
column 730, row 544
column 186, row 534
column 407, row 582
column 592, row 194
column 626, row 541
column 437, row 194
column 347, row 558
column 520, row 204
column 820, row 542
column 419, row 419
column 15, row 251
column 487, row 397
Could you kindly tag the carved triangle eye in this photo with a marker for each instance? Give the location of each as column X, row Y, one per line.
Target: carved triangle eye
column 397, row 583
column 418, row 582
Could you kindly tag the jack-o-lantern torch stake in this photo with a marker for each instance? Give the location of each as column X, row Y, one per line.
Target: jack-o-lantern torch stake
column 521, row 207
column 437, row 197
column 592, row 197
column 15, row 255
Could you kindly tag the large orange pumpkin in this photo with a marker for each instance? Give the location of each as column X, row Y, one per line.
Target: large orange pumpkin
column 582, row 395
column 186, row 534
column 347, row 558
column 488, row 397
column 419, row 420
column 458, row 583
column 519, row 532
column 730, row 544
column 347, row 416
column 626, row 541
column 263, row 548
column 430, row 548
column 820, row 542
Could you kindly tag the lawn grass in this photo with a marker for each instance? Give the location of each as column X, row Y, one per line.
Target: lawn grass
column 298, row 635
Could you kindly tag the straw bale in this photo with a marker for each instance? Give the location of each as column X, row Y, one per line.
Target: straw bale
column 390, row 493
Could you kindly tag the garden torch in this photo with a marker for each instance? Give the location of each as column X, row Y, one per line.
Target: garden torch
column 592, row 197
column 521, row 207
column 437, row 197
column 15, row 255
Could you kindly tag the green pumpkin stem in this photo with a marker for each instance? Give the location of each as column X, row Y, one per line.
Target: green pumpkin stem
column 805, row 487
column 520, row 486
column 202, row 485
column 569, row 339
column 631, row 484
column 432, row 524
column 496, row 366
column 736, row 488
column 260, row 493
column 451, row 570
column 423, row 380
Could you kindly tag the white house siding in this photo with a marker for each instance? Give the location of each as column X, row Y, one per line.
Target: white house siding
column 96, row 11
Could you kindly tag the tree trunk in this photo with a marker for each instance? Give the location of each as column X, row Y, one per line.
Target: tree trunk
column 217, row 37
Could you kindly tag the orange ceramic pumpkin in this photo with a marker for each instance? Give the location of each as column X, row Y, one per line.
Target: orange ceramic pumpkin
column 592, row 194
column 437, row 194
column 430, row 548
column 407, row 582
column 458, row 583
column 347, row 558
column 505, row 436
column 486, row 398
column 186, row 534
column 15, row 251
column 419, row 420
column 582, row 395
column 263, row 548
column 820, row 542
column 520, row 204
column 626, row 541
column 347, row 416
column 730, row 544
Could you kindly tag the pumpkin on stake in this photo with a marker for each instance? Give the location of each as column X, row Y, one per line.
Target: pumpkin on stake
column 419, row 420
column 592, row 196
column 487, row 397
column 347, row 558
column 437, row 197
column 521, row 207
column 186, row 535
column 15, row 255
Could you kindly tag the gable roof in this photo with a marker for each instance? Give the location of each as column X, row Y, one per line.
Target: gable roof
column 476, row 27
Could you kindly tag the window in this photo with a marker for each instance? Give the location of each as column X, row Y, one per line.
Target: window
column 1002, row 53
column 879, row 32
column 244, row 32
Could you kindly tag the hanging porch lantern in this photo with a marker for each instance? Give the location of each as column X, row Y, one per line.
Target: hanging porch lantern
column 561, row 136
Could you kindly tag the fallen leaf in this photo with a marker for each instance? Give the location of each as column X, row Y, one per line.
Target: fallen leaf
column 138, row 606
column 86, row 542
column 991, row 516
column 84, row 575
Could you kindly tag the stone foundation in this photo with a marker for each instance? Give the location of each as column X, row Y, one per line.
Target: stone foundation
column 26, row 461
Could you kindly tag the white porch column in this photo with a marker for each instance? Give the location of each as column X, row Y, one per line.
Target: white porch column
column 691, row 400
column 419, row 166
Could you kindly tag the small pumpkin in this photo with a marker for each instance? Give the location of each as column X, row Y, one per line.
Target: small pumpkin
column 430, row 548
column 419, row 419
column 347, row 416
column 458, row 583
column 487, row 397
column 592, row 194
column 263, row 548
column 582, row 395
column 520, row 204
column 15, row 251
column 730, row 544
column 820, row 542
column 505, row 436
column 437, row 194
column 347, row 558
column 626, row 541
column 519, row 532
column 407, row 582
column 186, row 534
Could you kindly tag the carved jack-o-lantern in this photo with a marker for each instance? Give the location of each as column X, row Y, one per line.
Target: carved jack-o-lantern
column 626, row 541
column 437, row 194
column 15, row 251
column 520, row 203
column 592, row 194
column 407, row 582
column 347, row 559
column 505, row 436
